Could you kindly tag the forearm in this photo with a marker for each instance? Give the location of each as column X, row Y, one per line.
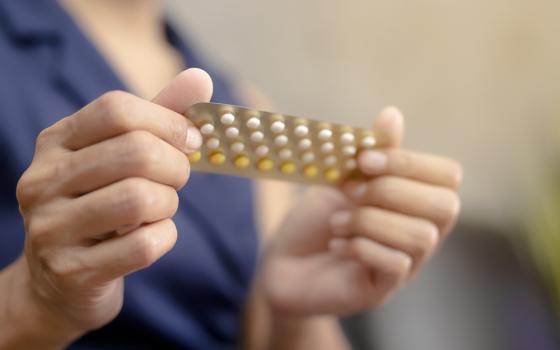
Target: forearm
column 25, row 324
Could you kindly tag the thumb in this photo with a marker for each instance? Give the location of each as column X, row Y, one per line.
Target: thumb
column 390, row 124
column 189, row 87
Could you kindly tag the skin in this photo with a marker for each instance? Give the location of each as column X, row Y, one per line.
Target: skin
column 98, row 200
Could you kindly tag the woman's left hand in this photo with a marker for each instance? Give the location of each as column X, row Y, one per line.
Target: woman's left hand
column 341, row 251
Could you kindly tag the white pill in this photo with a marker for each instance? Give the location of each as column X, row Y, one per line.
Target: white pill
column 253, row 123
column 257, row 136
column 227, row 119
column 262, row 150
column 285, row 154
column 308, row 157
column 325, row 134
column 350, row 164
column 232, row 132
column 277, row 126
column 237, row 147
column 304, row 143
column 207, row 129
column 349, row 150
column 301, row 130
column 213, row 143
column 281, row 140
column 368, row 141
column 330, row 160
column 347, row 137
column 327, row 147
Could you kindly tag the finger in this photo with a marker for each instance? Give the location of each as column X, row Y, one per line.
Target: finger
column 417, row 238
column 439, row 205
column 427, row 168
column 118, row 112
column 390, row 124
column 123, row 255
column 135, row 154
column 130, row 202
column 388, row 267
column 189, row 87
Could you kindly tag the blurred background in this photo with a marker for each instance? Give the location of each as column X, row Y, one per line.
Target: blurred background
column 479, row 82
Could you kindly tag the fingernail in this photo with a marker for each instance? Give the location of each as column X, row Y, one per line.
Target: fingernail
column 338, row 245
column 372, row 162
column 339, row 222
column 194, row 139
column 394, row 113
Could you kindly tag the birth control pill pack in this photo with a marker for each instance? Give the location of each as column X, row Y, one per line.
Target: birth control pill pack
column 245, row 142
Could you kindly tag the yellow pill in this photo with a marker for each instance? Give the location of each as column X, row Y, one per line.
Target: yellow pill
column 217, row 158
column 310, row 170
column 288, row 168
column 332, row 175
column 265, row 164
column 242, row 161
column 194, row 157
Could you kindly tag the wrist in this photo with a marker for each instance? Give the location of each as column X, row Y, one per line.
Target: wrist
column 32, row 323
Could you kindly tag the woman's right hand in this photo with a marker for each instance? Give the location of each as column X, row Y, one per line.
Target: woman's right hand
column 97, row 203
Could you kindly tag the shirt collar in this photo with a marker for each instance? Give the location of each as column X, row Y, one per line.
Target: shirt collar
column 29, row 19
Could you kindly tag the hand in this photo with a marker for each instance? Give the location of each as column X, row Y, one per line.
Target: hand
column 98, row 198
column 341, row 251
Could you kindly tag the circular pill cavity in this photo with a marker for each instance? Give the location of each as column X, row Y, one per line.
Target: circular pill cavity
column 213, row 143
column 207, row 129
column 304, row 144
column 308, row 157
column 194, row 157
column 237, row 147
column 217, row 158
column 327, row 147
column 288, row 168
column 325, row 134
column 285, row 153
column 277, row 126
column 349, row 150
column 332, row 175
column 368, row 141
column 281, row 140
column 227, row 119
column 232, row 132
column 330, row 160
column 347, row 137
column 350, row 164
column 253, row 123
column 301, row 130
column 310, row 170
column 257, row 136
column 241, row 161
column 262, row 150
column 265, row 164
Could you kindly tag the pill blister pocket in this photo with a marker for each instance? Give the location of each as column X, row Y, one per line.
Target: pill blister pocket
column 244, row 142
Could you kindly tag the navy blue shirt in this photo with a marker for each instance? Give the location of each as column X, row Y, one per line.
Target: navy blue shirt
column 193, row 297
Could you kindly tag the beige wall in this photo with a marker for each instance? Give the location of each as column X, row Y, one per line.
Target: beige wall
column 479, row 80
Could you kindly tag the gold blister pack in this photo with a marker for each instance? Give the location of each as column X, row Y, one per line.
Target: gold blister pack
column 244, row 142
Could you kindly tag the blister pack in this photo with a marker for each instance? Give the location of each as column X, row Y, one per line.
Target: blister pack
column 244, row 142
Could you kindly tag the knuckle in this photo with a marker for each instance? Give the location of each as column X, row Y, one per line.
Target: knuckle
column 113, row 106
column 452, row 206
column 402, row 160
column 456, row 173
column 382, row 189
column 142, row 150
column 137, row 198
column 426, row 239
column 400, row 266
column 146, row 250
